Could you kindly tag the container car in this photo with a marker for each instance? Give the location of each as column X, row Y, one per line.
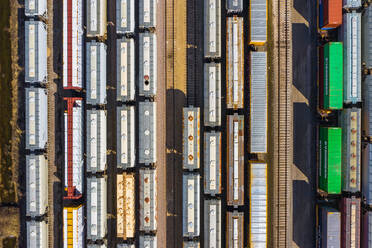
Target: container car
column 35, row 8
column 191, row 138
column 367, row 38
column 147, row 241
column 37, row 234
column 235, row 63
column 73, row 227
column 235, row 160
column 330, row 14
column 329, row 227
column 36, row 118
column 125, row 144
column 351, row 4
column 73, row 160
column 36, row 185
column 125, row 84
column 234, row 6
column 35, row 52
column 125, row 206
column 351, row 31
column 147, row 83
column 73, row 44
column 96, row 140
column 212, row 28
column 125, row 14
column 96, row 14
column 212, row 223
column 148, row 198
column 191, row 205
column 147, row 13
column 212, row 94
column 351, row 149
column 350, row 222
column 258, row 205
column 258, row 22
column 258, row 103
column 212, row 163
column 96, row 73
column 331, row 76
column 147, row 132
column 191, row 244
column 96, row 208
column 330, row 145
column 366, row 231
column 234, row 229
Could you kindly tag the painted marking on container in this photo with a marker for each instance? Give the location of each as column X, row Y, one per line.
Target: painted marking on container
column 123, row 68
column 236, row 161
column 146, row 63
column 213, row 226
column 190, row 137
column 147, row 199
column 123, row 12
column 93, row 15
column 93, row 72
column 32, row 117
column 353, row 148
column 146, row 11
column 32, row 185
column 235, row 63
column 77, row 145
column 66, row 150
column 93, row 140
column 124, row 136
column 212, row 94
column 31, row 50
column 190, row 205
column 93, row 208
column 212, row 26
column 212, row 162
column 236, row 232
column 354, row 57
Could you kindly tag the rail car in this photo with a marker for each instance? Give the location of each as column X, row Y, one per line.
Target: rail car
column 212, row 28
column 125, row 206
column 96, row 208
column 96, row 14
column 351, row 149
column 191, row 138
column 258, row 102
column 147, row 241
column 35, row 8
column 96, row 73
column 367, row 173
column 350, row 222
column 125, row 144
column 73, row 227
column 235, row 63
column 191, row 205
column 73, row 118
column 147, row 84
column 367, row 39
column 96, row 140
column 258, row 22
column 36, row 185
column 212, row 223
column 234, row 6
column 191, row 244
column 36, row 118
column 125, row 16
column 37, row 234
column 97, row 246
column 73, row 44
column 147, row 13
column 235, row 160
column 234, row 229
column 147, row 133
column 329, row 227
column 125, row 246
column 258, row 205
column 148, row 197
column 212, row 94
column 212, row 163
column 125, row 84
column 35, row 52
column 366, row 231
column 351, row 4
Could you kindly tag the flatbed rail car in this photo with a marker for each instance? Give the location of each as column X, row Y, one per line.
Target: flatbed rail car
column 35, row 8
column 329, row 227
column 350, row 222
column 235, row 160
column 258, row 102
column 147, row 132
column 366, row 231
column 191, row 138
column 147, row 13
column 191, row 244
column 37, row 234
column 125, row 13
column 212, row 163
column 234, row 6
column 96, row 73
column 73, row 227
column 235, row 229
column 36, row 118
column 125, row 84
column 147, row 241
column 258, row 22
column 147, row 200
column 258, row 205
column 96, row 140
column 212, row 94
column 212, row 223
column 73, row 119
column 96, row 14
column 212, row 28
column 96, row 208
column 125, row 206
column 351, row 149
column 147, row 84
column 191, row 205
column 235, row 63
column 351, row 31
column 35, row 52
column 73, row 44
column 125, row 144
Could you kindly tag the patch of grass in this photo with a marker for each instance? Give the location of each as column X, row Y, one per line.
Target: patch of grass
column 10, row 242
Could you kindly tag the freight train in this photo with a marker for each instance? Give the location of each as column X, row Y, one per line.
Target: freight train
column 191, row 205
column 125, row 16
column 73, row 227
column 125, row 70
column 212, row 28
column 125, row 143
column 191, row 138
column 125, row 206
column 212, row 163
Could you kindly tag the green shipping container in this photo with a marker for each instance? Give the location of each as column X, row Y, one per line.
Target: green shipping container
column 330, row 140
column 333, row 75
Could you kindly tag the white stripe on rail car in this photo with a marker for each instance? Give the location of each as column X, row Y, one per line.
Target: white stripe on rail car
column 212, row 94
column 236, row 160
column 212, row 162
column 93, row 72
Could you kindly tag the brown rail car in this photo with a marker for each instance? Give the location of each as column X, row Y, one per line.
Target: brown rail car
column 125, row 204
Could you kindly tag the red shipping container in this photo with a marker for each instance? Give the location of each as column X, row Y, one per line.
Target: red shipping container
column 332, row 13
column 350, row 222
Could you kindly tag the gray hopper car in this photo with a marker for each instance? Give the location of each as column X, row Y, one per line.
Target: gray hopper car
column 125, row 71
column 125, row 13
column 234, row 6
column 191, row 244
column 234, row 229
column 147, row 13
column 147, row 82
column 147, row 132
column 258, row 22
column 330, row 227
column 212, row 163
column 212, row 94
column 148, row 207
column 191, row 138
column 35, row 7
column 146, row 241
column 212, row 28
column 37, row 234
column 125, row 143
column 191, row 205
column 96, row 13
column 212, row 223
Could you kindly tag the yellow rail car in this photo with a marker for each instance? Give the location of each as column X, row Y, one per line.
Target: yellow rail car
column 73, row 227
